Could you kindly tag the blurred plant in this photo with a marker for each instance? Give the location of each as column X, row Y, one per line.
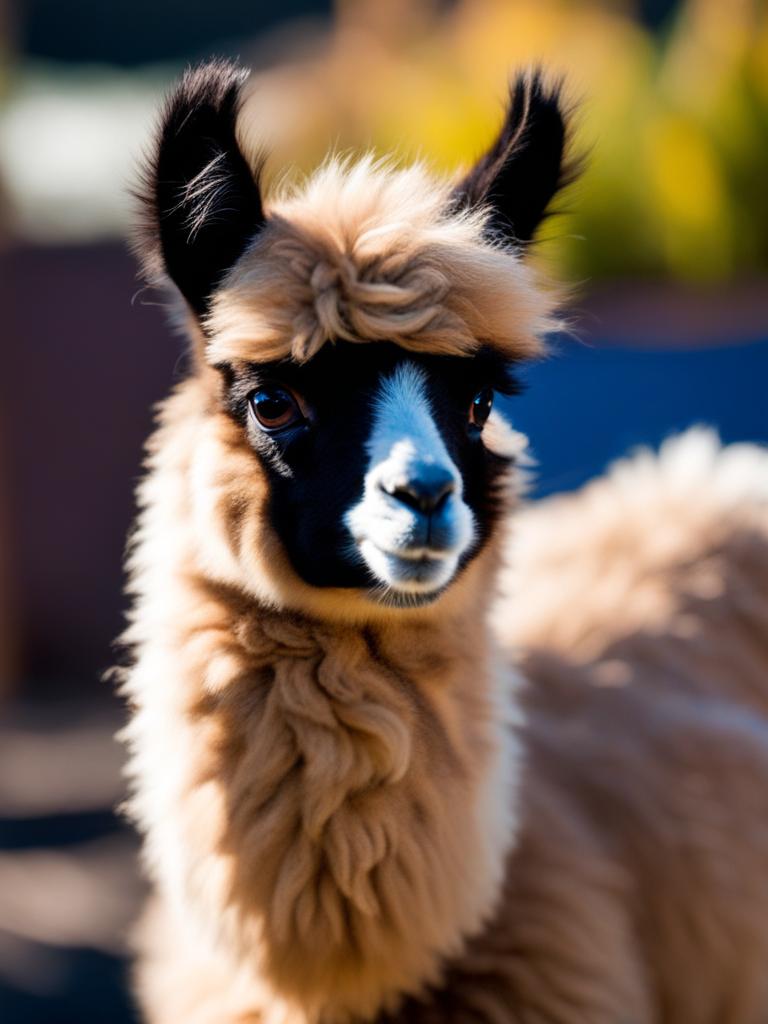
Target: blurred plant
column 675, row 126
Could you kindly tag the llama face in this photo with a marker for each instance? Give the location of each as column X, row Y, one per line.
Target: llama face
column 379, row 474
column 411, row 525
column 360, row 323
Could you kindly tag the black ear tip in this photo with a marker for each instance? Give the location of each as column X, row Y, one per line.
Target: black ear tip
column 213, row 87
column 551, row 111
column 526, row 165
column 212, row 82
column 541, row 85
column 200, row 192
column 536, row 96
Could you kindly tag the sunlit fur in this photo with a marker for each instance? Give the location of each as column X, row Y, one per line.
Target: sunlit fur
column 682, row 537
column 367, row 252
column 636, row 891
column 325, row 783
column 354, row 811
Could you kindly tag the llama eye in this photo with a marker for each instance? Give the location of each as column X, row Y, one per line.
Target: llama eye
column 275, row 408
column 481, row 407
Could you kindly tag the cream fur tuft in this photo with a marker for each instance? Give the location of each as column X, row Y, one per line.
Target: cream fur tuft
column 367, row 252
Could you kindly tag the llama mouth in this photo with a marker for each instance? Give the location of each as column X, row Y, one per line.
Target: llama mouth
column 410, row 572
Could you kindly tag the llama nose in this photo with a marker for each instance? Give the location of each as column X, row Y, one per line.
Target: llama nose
column 425, row 489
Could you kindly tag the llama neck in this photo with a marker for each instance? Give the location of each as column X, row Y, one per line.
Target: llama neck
column 363, row 794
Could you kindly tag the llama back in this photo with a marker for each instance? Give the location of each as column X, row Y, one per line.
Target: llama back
column 655, row 573
column 639, row 607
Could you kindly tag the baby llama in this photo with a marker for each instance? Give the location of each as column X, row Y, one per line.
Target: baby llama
column 391, row 761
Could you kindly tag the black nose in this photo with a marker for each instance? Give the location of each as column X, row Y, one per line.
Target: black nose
column 425, row 489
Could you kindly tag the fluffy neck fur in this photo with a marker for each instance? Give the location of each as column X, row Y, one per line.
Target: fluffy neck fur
column 327, row 802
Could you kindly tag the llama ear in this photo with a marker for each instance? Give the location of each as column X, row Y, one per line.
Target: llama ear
column 200, row 194
column 519, row 175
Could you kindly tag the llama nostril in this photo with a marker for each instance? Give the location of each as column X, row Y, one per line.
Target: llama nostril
column 425, row 490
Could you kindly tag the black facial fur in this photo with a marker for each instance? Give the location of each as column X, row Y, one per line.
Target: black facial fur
column 202, row 202
column 522, row 171
column 316, row 470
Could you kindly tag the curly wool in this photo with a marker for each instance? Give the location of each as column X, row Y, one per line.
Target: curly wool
column 366, row 252
column 332, row 805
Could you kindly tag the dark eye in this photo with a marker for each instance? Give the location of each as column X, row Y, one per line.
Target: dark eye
column 275, row 408
column 481, row 407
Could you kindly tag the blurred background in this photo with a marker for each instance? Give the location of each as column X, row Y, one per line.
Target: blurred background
column 666, row 236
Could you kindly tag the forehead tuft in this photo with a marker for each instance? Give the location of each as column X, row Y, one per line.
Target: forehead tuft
column 366, row 252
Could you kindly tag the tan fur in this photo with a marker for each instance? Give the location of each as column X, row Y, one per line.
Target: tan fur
column 327, row 806
column 676, row 560
column 367, row 253
column 636, row 890
column 337, row 816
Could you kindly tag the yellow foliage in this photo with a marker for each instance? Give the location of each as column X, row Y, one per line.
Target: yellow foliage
column 676, row 125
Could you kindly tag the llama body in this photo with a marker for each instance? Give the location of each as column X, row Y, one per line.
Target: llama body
column 335, row 780
column 353, row 808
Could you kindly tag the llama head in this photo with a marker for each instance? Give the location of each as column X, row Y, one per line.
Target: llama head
column 353, row 332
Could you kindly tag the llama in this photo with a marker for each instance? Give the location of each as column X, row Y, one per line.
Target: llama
column 391, row 761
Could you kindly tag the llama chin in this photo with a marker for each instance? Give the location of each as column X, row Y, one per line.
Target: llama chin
column 353, row 809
